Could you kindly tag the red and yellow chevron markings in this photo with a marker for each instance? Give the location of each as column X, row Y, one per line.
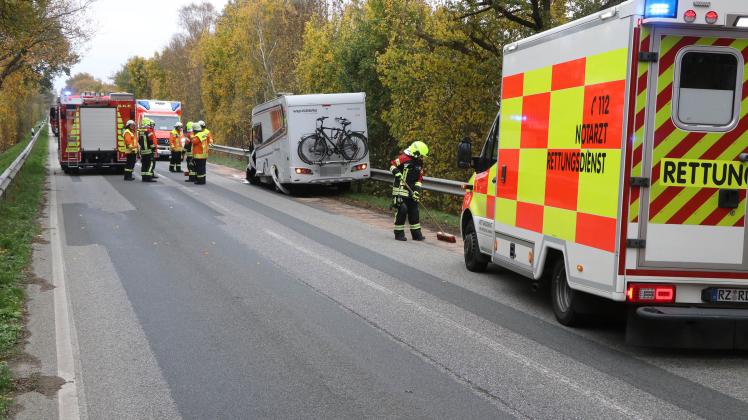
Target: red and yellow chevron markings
column 682, row 203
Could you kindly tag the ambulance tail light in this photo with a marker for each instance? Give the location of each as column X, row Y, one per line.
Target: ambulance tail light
column 303, row 171
column 650, row 293
column 690, row 16
column 711, row 17
column 359, row 167
column 660, row 8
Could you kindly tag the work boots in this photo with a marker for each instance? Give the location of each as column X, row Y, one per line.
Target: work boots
column 417, row 235
column 400, row 235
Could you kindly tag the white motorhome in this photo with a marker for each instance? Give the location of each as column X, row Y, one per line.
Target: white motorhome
column 309, row 139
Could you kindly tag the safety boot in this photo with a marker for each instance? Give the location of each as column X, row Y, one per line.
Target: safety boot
column 400, row 235
column 417, row 235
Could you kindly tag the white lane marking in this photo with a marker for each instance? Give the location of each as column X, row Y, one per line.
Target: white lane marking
column 532, row 364
column 67, row 397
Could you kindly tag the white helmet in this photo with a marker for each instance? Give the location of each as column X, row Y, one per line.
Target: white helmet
column 129, row 123
column 178, row 124
column 197, row 126
column 202, row 123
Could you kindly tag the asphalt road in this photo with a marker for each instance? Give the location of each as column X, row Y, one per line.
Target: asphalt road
column 232, row 301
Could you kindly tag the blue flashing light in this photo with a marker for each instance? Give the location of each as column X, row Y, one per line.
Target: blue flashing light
column 661, row 9
column 145, row 104
column 67, row 93
column 175, row 106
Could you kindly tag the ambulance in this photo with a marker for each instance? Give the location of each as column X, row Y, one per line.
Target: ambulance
column 616, row 170
column 165, row 114
column 91, row 130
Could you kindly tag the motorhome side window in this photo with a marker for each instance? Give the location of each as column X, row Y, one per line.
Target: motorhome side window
column 708, row 94
column 257, row 134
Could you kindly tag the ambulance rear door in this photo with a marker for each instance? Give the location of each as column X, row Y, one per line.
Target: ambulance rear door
column 693, row 211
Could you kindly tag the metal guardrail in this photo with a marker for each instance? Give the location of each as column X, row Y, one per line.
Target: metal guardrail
column 445, row 186
column 10, row 173
column 230, row 150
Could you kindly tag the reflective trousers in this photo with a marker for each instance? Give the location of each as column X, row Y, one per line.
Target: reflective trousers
column 191, row 168
column 130, row 165
column 199, row 170
column 175, row 163
column 407, row 208
column 146, row 166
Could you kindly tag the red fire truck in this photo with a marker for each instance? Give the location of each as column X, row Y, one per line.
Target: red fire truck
column 90, row 130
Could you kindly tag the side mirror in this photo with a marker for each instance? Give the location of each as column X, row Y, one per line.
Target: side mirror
column 465, row 154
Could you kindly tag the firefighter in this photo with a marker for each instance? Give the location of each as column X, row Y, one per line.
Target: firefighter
column 131, row 149
column 175, row 146
column 146, row 150
column 188, row 151
column 205, row 128
column 406, row 191
column 154, row 140
column 199, row 152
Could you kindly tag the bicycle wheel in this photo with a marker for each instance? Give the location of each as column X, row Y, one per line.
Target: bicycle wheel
column 354, row 146
column 312, row 149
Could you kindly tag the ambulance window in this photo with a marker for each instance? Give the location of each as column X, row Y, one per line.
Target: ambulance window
column 708, row 90
column 490, row 148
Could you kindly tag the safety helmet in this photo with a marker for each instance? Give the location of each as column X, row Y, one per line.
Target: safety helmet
column 151, row 123
column 178, row 124
column 202, row 123
column 196, row 126
column 417, row 149
column 189, row 125
column 145, row 122
column 129, row 123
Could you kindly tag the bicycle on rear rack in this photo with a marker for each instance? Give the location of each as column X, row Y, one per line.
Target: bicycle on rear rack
column 319, row 147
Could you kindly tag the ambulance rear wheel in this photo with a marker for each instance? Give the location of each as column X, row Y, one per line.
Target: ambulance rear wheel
column 565, row 300
column 475, row 260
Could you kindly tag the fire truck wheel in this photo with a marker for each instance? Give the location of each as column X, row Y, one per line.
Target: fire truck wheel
column 475, row 261
column 566, row 301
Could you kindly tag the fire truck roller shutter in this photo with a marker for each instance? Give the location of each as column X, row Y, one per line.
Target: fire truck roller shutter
column 98, row 128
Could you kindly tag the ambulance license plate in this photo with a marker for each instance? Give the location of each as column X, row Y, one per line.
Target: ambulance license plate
column 724, row 294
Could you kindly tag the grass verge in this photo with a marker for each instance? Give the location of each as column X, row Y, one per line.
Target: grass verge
column 371, row 198
column 221, row 159
column 18, row 226
column 374, row 195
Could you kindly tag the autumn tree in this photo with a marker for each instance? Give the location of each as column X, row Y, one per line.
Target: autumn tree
column 38, row 40
column 250, row 58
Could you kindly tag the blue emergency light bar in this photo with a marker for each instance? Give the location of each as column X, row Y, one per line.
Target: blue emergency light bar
column 145, row 104
column 660, row 8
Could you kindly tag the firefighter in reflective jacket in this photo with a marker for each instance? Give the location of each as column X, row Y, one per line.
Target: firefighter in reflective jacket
column 188, row 152
column 205, row 128
column 147, row 149
column 200, row 143
column 406, row 192
column 131, row 149
column 154, row 142
column 175, row 146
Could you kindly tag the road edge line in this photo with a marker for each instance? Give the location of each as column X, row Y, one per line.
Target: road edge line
column 67, row 397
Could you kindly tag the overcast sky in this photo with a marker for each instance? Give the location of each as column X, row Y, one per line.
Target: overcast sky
column 127, row 28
